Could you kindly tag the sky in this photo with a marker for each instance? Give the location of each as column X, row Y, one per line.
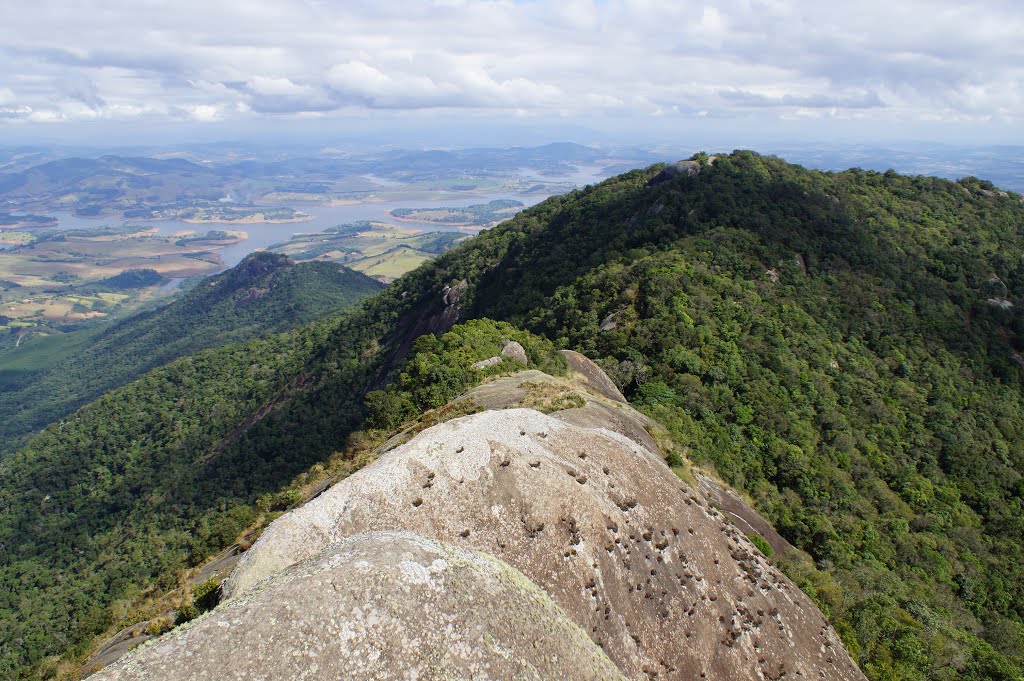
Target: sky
column 442, row 71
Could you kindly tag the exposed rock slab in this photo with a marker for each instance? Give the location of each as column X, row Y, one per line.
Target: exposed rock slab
column 742, row 514
column 644, row 565
column 595, row 375
column 379, row 606
column 505, row 392
column 601, row 410
column 485, row 363
column 611, row 321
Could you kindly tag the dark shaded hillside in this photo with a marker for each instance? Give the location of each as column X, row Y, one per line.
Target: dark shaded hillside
column 265, row 293
column 840, row 346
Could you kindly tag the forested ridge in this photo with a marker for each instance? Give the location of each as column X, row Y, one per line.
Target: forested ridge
column 840, row 346
column 266, row 293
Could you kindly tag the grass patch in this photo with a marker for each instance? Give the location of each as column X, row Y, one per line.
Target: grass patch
column 547, row 397
column 38, row 352
column 391, row 264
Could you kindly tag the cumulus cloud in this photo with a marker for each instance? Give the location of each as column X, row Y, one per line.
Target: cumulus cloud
column 957, row 60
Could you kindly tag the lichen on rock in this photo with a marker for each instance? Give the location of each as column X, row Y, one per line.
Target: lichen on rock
column 387, row 605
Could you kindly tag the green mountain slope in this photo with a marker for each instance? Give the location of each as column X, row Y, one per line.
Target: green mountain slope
column 841, row 346
column 265, row 293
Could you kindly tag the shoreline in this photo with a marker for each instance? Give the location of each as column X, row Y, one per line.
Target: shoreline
column 14, row 226
column 243, row 221
column 432, row 222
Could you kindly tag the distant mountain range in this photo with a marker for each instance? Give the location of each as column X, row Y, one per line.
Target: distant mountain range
column 95, row 186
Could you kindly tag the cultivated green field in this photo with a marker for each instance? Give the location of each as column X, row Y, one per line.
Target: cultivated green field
column 380, row 250
column 62, row 279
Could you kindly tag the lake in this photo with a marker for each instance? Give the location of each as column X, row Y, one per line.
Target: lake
column 262, row 235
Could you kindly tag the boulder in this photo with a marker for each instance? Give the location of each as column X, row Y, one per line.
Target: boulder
column 515, row 351
column 485, row 363
column 379, row 606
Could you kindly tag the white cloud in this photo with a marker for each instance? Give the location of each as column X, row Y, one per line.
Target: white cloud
column 265, row 85
column 875, row 60
column 203, row 112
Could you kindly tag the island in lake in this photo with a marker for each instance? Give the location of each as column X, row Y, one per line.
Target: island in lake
column 478, row 215
column 376, row 249
column 215, row 212
column 11, row 221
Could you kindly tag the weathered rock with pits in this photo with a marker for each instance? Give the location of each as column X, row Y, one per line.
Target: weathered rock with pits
column 576, row 506
column 643, row 564
column 379, row 606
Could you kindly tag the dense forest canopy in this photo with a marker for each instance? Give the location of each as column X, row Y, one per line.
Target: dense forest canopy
column 265, row 293
column 843, row 347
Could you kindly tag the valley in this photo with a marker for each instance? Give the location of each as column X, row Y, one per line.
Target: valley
column 58, row 279
column 181, row 219
column 381, row 250
column 511, row 341
column 805, row 338
column 816, row 353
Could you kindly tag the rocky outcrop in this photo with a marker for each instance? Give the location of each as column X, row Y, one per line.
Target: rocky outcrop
column 594, row 375
column 685, row 168
column 745, row 518
column 638, row 560
column 1001, row 303
column 486, row 363
column 577, row 503
column 611, row 321
column 435, row 315
column 380, row 606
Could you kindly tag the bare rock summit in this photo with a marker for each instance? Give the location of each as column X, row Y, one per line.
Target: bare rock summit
column 379, row 606
column 569, row 523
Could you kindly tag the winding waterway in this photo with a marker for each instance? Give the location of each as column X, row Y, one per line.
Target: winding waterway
column 262, row 235
column 322, row 216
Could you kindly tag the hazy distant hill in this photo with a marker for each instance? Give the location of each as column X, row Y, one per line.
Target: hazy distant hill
column 843, row 347
column 97, row 186
column 110, row 179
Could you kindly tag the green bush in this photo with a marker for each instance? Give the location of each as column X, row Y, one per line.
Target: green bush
column 440, row 368
column 204, row 598
column 762, row 544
